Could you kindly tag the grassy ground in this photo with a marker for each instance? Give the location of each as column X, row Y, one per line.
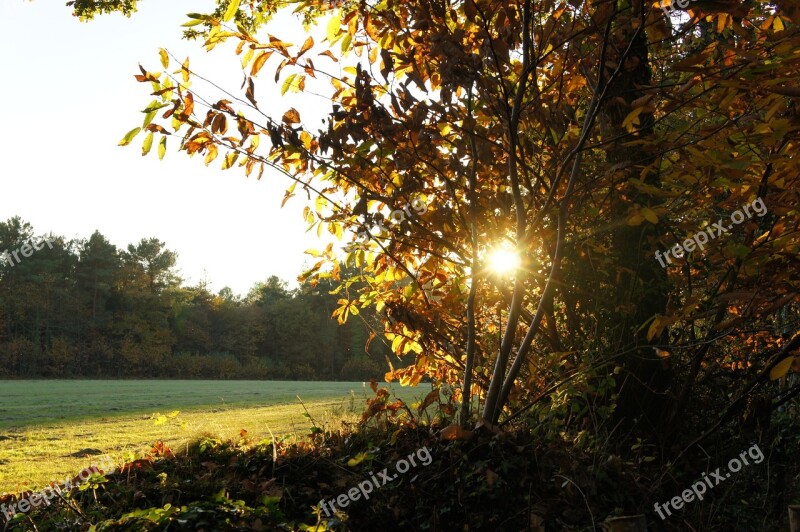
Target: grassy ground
column 43, row 422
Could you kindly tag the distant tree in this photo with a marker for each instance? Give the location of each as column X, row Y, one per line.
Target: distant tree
column 95, row 273
column 269, row 292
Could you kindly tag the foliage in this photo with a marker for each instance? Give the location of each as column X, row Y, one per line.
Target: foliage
column 506, row 481
column 588, row 135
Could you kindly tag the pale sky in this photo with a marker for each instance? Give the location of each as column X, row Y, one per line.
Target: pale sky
column 69, row 96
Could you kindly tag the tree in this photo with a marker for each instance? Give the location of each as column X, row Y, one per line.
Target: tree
column 96, row 273
column 541, row 127
column 263, row 293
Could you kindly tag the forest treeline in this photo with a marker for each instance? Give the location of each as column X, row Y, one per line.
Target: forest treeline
column 85, row 308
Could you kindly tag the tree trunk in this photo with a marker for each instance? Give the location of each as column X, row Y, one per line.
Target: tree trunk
column 642, row 281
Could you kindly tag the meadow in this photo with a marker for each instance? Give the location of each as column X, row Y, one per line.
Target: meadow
column 43, row 423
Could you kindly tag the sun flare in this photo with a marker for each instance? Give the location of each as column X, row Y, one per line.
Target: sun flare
column 503, row 260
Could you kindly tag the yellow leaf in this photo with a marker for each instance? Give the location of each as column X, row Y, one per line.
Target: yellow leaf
column 147, row 144
column 777, row 24
column 655, row 328
column 305, row 138
column 635, row 219
column 357, row 459
column 185, row 71
column 162, row 148
column 397, row 344
column 211, row 155
column 233, row 7
column 247, row 57
column 129, row 136
column 164, row 57
column 334, row 28
column 632, row 120
column 650, row 215
column 230, row 159
column 781, row 368
column 287, row 83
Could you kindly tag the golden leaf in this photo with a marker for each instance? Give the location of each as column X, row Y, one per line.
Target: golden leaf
column 781, row 368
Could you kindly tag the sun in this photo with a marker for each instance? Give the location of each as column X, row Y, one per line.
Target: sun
column 503, row 260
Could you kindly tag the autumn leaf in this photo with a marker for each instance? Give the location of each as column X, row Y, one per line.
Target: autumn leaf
column 291, row 116
column 129, row 136
column 164, row 57
column 261, row 59
column 306, row 47
column 233, row 8
column 147, row 144
column 455, row 432
column 287, row 83
column 357, row 459
column 781, row 368
column 649, row 215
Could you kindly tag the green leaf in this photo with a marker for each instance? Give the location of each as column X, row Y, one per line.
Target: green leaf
column 148, row 143
column 162, row 148
column 233, row 7
column 149, row 118
column 191, row 23
column 129, row 136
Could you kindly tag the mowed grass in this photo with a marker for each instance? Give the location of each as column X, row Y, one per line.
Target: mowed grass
column 42, row 423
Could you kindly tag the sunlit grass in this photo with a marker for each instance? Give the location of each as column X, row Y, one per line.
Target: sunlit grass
column 33, row 453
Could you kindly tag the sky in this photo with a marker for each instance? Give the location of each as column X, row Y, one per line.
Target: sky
column 69, row 97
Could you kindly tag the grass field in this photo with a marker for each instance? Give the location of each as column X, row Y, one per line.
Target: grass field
column 43, row 422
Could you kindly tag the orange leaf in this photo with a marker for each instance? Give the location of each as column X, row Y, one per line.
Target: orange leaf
column 306, row 46
column 455, row 432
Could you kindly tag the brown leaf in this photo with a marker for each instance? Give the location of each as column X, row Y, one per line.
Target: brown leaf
column 429, row 399
column 786, row 91
column 329, row 54
column 291, row 116
column 250, row 93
